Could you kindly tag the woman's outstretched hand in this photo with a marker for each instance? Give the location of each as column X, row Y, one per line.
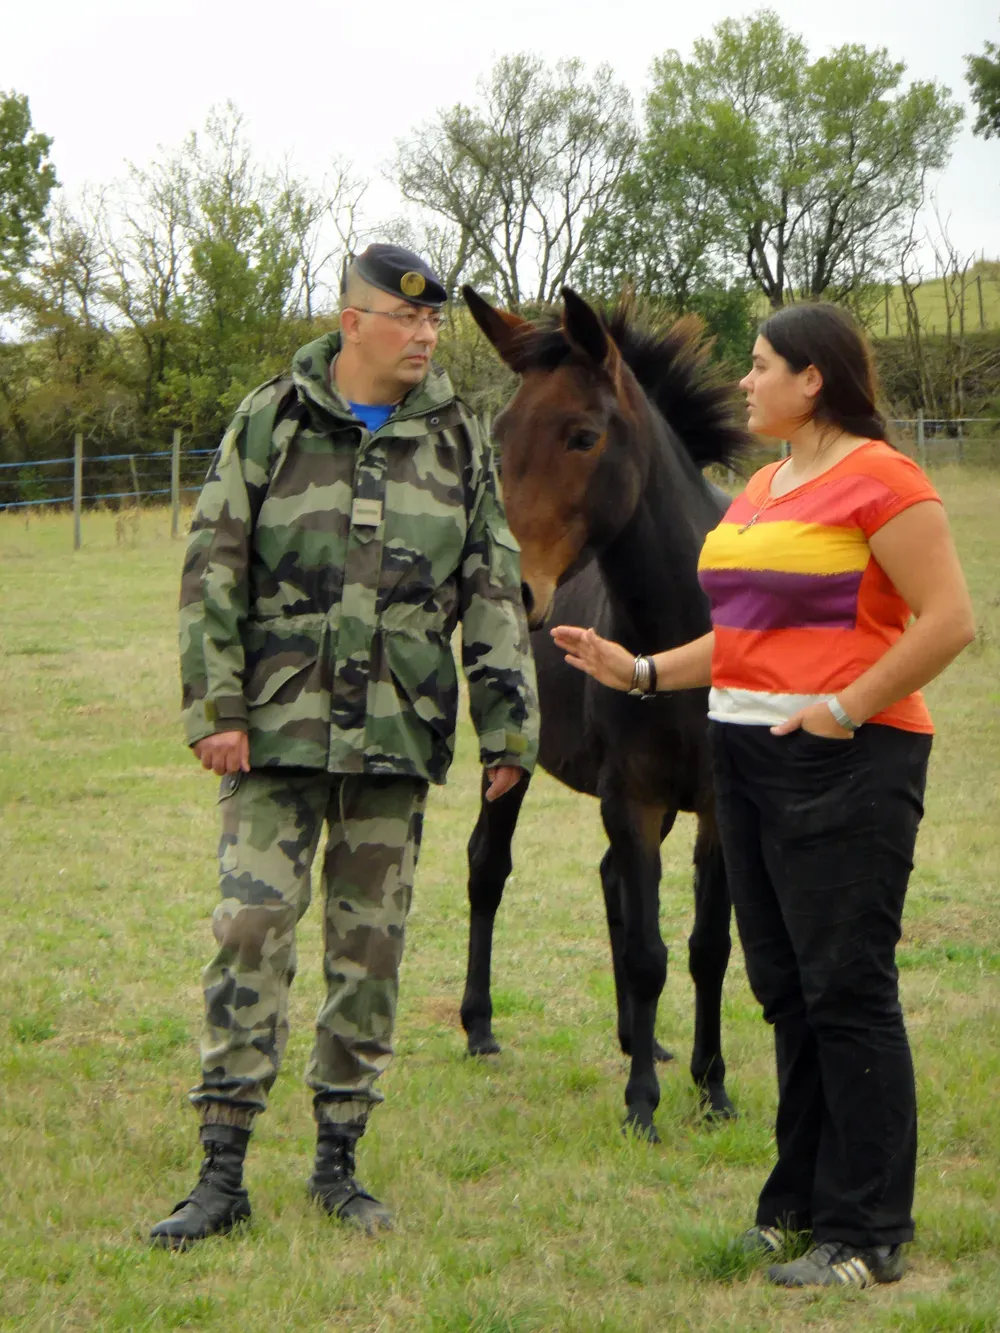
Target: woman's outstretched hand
column 607, row 662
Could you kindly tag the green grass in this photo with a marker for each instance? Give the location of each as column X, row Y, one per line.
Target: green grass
column 974, row 298
column 520, row 1205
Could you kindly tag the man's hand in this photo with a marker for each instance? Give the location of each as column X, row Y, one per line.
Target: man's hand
column 225, row 752
column 502, row 778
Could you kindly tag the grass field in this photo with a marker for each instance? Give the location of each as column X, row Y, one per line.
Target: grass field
column 974, row 298
column 520, row 1205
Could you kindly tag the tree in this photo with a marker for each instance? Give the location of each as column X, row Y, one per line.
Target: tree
column 983, row 77
column 145, row 226
column 661, row 230
column 810, row 171
column 949, row 371
column 27, row 179
column 321, row 227
column 236, row 292
column 65, row 313
column 160, row 300
column 664, row 233
column 519, row 175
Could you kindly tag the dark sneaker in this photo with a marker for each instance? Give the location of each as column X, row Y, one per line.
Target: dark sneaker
column 836, row 1263
column 762, row 1240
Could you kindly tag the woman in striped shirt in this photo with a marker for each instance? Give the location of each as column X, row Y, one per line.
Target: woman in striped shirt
column 836, row 594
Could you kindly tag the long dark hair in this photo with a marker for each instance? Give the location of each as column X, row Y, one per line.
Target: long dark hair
column 816, row 333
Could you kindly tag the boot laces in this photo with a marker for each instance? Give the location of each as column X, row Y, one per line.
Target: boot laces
column 213, row 1166
column 337, row 1160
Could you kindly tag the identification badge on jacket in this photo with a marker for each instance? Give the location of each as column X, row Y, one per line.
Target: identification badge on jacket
column 366, row 513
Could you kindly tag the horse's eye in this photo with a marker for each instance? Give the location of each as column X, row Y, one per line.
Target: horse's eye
column 582, row 440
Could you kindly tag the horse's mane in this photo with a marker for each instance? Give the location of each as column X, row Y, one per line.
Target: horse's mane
column 670, row 362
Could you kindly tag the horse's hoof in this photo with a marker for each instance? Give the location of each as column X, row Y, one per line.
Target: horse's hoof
column 717, row 1107
column 487, row 1045
column 640, row 1127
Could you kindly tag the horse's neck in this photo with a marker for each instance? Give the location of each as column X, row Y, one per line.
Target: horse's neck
column 651, row 568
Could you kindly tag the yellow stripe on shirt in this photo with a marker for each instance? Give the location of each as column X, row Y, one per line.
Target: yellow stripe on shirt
column 786, row 546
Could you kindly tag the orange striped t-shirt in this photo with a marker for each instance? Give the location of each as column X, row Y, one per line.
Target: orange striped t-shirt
column 800, row 607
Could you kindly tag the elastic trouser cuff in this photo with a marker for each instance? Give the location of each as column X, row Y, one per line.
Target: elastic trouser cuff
column 223, row 1113
column 337, row 1112
column 229, row 1135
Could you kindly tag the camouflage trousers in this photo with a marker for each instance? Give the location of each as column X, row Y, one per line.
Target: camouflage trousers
column 271, row 826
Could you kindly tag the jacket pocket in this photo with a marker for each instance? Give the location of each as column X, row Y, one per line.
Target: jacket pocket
column 229, row 786
column 422, row 669
column 269, row 677
column 504, row 553
column 287, row 690
column 412, row 703
column 231, row 812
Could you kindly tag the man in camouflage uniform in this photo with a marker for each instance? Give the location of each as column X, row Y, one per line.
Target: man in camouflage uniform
column 351, row 519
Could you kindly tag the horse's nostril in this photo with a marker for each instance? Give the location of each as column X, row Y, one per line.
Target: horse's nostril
column 527, row 598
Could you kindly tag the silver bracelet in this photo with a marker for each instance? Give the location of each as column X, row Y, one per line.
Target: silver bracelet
column 840, row 717
column 644, row 683
column 641, row 677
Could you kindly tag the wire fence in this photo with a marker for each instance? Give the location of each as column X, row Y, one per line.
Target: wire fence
column 83, row 481
column 950, row 439
column 112, row 480
column 932, row 441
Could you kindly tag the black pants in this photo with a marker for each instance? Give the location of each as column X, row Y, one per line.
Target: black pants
column 818, row 837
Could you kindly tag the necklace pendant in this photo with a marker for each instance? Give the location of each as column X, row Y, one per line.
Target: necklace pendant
column 749, row 524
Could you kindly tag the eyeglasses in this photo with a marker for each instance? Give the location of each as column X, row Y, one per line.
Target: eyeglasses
column 410, row 320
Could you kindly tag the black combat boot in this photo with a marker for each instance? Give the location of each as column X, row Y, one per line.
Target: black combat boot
column 218, row 1202
column 333, row 1184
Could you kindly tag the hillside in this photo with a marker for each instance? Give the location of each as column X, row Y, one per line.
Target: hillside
column 973, row 298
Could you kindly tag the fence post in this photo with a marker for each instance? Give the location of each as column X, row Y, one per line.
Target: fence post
column 135, row 477
column 77, row 488
column 921, row 444
column 175, row 483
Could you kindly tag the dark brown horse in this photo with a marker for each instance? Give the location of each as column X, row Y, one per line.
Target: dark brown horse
column 601, row 450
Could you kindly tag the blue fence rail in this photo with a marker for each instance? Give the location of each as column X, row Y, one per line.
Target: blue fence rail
column 125, row 479
column 115, row 480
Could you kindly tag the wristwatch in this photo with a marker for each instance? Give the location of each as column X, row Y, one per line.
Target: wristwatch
column 840, row 717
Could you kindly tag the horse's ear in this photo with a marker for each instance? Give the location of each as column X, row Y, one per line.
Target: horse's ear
column 500, row 326
column 587, row 334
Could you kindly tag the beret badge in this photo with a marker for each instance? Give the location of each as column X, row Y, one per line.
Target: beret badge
column 412, row 284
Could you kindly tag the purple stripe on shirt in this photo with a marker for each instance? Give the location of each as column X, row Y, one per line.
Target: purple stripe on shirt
column 764, row 599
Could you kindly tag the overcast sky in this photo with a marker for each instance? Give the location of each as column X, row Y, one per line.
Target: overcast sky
column 112, row 79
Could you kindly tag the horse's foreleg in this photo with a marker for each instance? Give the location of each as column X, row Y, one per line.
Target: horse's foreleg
column 611, row 885
column 708, row 955
column 489, row 866
column 616, row 934
column 634, row 834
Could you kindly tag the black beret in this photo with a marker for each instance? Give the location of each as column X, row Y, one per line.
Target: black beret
column 400, row 272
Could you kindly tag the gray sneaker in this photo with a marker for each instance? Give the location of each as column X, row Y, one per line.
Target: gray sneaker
column 761, row 1240
column 837, row 1263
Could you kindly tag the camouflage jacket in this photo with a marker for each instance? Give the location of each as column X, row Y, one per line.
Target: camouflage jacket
column 326, row 571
